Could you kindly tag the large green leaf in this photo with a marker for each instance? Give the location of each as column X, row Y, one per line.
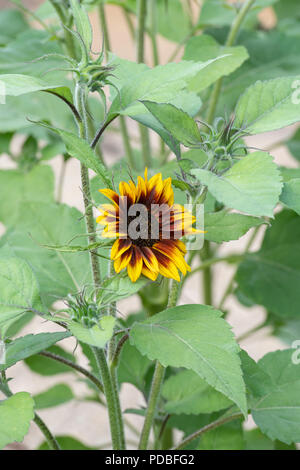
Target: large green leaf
column 12, row 22
column 133, row 366
column 187, row 393
column 26, row 346
column 294, row 145
column 54, row 396
column 271, row 276
column 290, row 195
column 197, row 338
column 277, row 413
column 272, row 55
column 16, row 413
column 223, row 226
column 205, row 47
column 67, row 443
column 18, row 84
column 179, row 124
column 252, row 185
column 82, row 22
column 160, row 84
column 39, row 224
column 18, row 188
column 269, row 105
column 19, row 291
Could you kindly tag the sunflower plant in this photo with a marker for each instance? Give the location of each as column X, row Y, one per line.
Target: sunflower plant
column 145, row 282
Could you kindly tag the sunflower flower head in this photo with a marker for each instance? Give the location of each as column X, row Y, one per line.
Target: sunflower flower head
column 148, row 227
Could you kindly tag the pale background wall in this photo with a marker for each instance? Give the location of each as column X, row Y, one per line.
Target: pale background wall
column 88, row 421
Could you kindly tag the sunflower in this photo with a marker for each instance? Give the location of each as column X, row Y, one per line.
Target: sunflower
column 156, row 247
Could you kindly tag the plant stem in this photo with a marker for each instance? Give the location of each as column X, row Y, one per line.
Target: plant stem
column 86, row 190
column 103, row 23
column 113, row 365
column 157, row 381
column 153, row 30
column 51, row 441
column 207, row 274
column 110, row 397
column 208, row 427
column 141, row 14
column 229, row 42
column 140, row 37
column 82, row 370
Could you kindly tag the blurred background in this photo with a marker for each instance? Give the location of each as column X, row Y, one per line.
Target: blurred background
column 87, row 421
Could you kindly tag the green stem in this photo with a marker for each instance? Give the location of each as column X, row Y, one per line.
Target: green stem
column 153, row 30
column 110, row 397
column 141, row 14
column 212, row 261
column 208, row 427
column 207, row 274
column 157, row 381
column 229, row 42
column 113, row 364
column 86, row 190
column 103, row 23
column 140, row 38
column 82, row 370
column 51, row 441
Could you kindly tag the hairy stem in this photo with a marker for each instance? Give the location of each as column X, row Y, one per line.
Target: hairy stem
column 208, row 427
column 110, row 397
column 72, row 365
column 157, row 381
column 104, row 28
column 51, row 441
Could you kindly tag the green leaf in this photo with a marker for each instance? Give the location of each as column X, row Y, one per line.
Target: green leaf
column 160, row 84
column 197, row 338
column 223, row 226
column 19, row 291
column 294, row 145
column 119, row 287
column 187, row 393
column 133, row 367
column 16, row 412
column 175, row 121
column 54, row 396
column 17, row 84
column 98, row 335
column 277, row 413
column 80, row 149
column 67, row 443
column 272, row 55
column 226, row 437
column 271, row 276
column 18, row 188
column 205, row 47
column 77, row 248
column 269, row 105
column 58, row 273
column 290, row 195
column 26, row 346
column 12, row 22
column 45, row 366
column 82, row 22
column 252, row 185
